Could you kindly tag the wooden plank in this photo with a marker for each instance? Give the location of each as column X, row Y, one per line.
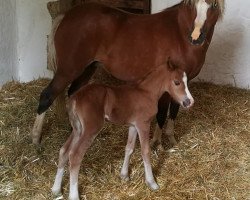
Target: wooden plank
column 133, row 4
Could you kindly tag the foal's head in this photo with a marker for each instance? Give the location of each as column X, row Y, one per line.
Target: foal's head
column 177, row 86
column 207, row 14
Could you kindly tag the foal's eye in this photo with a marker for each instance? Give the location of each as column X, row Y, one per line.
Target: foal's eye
column 176, row 82
column 215, row 4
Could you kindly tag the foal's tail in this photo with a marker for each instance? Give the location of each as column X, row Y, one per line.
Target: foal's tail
column 73, row 117
column 52, row 62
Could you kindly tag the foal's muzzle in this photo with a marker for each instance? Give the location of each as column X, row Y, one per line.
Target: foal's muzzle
column 187, row 103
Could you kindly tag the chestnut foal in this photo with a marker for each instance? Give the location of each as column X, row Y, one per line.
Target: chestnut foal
column 135, row 105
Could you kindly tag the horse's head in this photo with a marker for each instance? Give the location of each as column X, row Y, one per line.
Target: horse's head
column 207, row 14
column 177, row 86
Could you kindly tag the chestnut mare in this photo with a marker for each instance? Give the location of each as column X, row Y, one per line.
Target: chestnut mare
column 134, row 105
column 128, row 45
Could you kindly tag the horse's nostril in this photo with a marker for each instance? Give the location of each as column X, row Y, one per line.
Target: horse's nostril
column 186, row 103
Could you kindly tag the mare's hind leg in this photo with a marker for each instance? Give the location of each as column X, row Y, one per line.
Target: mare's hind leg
column 128, row 151
column 143, row 132
column 37, row 129
column 56, row 86
column 161, row 116
column 174, row 108
column 83, row 78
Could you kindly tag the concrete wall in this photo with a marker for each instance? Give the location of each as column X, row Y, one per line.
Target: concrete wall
column 34, row 24
column 228, row 60
column 8, row 32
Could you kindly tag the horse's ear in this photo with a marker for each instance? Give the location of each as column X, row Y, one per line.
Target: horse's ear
column 171, row 65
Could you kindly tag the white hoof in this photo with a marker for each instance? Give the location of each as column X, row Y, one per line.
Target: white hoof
column 124, row 177
column 74, row 198
column 153, row 185
column 56, row 191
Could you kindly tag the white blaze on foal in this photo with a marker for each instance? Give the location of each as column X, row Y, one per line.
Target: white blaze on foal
column 187, row 90
column 201, row 8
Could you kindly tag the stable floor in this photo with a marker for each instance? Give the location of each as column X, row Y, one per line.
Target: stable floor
column 211, row 161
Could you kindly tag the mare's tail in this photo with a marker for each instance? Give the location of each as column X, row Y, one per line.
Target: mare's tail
column 52, row 62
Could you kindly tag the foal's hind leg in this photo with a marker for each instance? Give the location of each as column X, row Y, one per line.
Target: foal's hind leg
column 128, row 151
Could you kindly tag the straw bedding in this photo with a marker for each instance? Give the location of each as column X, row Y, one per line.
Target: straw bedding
column 211, row 161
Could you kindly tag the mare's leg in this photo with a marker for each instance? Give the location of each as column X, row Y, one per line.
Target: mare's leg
column 161, row 116
column 83, row 78
column 77, row 152
column 143, row 132
column 70, row 67
column 56, row 86
column 63, row 158
column 37, row 128
column 128, row 151
column 174, row 108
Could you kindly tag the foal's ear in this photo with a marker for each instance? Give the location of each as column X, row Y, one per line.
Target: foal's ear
column 171, row 66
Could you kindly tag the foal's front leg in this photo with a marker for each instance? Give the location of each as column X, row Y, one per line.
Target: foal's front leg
column 132, row 134
column 143, row 131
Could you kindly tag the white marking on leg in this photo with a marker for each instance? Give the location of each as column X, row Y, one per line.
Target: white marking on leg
column 56, row 189
column 128, row 151
column 186, row 89
column 201, row 8
column 149, row 175
column 106, row 117
column 145, row 149
column 37, row 128
column 73, row 190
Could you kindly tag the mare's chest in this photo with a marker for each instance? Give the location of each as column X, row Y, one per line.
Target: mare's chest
column 190, row 58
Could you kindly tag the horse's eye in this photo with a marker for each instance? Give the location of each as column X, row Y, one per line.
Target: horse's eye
column 176, row 82
column 215, row 4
